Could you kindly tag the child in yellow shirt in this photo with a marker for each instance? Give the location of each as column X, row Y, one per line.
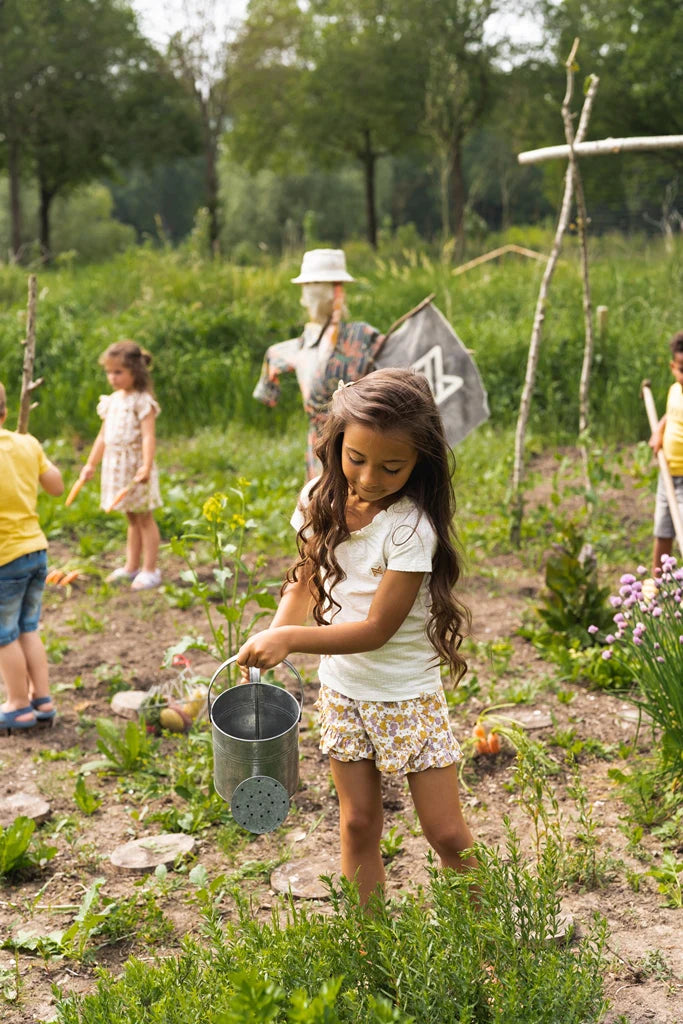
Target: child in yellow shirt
column 23, row 567
column 668, row 436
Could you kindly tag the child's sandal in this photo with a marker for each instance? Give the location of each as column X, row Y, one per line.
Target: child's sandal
column 10, row 719
column 44, row 717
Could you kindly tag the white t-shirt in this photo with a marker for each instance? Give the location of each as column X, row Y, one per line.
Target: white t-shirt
column 401, row 539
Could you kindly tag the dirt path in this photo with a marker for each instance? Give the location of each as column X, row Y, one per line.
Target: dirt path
column 120, row 637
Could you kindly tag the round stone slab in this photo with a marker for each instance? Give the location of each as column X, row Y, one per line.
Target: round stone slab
column 147, row 853
column 126, row 703
column 260, row 804
column 530, row 718
column 27, row 805
column 302, row 877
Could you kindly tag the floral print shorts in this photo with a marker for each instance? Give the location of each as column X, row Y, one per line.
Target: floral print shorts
column 401, row 736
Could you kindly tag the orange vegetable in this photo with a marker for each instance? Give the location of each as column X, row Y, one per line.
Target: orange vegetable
column 74, row 491
column 69, row 578
column 494, row 743
column 479, row 732
column 483, row 747
column 54, row 576
column 119, row 497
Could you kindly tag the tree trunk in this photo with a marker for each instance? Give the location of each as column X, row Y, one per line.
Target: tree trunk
column 14, row 197
column 369, row 159
column 458, row 193
column 444, row 190
column 46, row 197
column 212, row 197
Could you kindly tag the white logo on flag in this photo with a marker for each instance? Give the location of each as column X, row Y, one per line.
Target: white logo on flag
column 443, row 385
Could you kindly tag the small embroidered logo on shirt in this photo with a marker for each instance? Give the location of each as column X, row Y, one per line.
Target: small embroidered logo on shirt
column 377, row 570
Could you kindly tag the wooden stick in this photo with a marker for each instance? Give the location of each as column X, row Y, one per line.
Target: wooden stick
column 28, row 385
column 517, row 507
column 663, row 464
column 74, row 491
column 519, row 249
column 643, row 143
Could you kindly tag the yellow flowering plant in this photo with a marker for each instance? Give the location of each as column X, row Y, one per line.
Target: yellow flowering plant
column 236, row 591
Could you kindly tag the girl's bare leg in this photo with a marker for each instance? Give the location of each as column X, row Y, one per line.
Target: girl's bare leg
column 437, row 802
column 14, row 672
column 36, row 663
column 133, row 542
column 149, row 535
column 361, row 817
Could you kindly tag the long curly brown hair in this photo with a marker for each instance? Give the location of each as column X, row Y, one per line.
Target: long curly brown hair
column 393, row 401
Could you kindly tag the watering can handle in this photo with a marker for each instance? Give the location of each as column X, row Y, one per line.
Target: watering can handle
column 255, row 677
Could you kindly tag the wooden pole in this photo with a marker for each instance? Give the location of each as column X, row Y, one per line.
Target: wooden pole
column 517, row 508
column 663, row 464
column 28, row 385
column 600, row 147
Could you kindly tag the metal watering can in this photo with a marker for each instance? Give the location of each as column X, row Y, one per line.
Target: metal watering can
column 255, row 733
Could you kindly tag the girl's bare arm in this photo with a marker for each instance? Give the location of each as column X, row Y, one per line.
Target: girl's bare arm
column 96, row 453
column 395, row 597
column 149, row 444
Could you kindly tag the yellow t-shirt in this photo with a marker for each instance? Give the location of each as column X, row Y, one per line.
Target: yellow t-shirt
column 22, row 463
column 673, row 430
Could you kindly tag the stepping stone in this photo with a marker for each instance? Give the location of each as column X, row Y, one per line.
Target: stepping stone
column 529, row 718
column 126, row 703
column 302, row 877
column 147, row 853
column 629, row 714
column 28, row 805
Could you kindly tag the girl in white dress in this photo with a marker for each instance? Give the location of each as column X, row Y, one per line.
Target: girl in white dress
column 126, row 445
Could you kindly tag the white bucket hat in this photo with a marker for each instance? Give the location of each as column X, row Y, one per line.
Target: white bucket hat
column 323, row 265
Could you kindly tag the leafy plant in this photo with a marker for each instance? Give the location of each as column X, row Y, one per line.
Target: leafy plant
column 648, row 643
column 17, row 853
column 574, row 598
column 124, row 751
column 391, row 844
column 236, row 583
column 668, row 875
column 87, row 801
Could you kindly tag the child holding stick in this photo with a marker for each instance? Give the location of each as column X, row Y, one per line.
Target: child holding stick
column 126, row 445
column 23, row 567
column 669, row 437
column 377, row 566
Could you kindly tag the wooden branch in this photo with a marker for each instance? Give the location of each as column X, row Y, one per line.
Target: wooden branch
column 519, row 249
column 599, row 147
column 663, row 464
column 539, row 315
column 28, row 385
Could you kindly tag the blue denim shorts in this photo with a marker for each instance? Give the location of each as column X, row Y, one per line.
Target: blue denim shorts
column 664, row 524
column 21, row 595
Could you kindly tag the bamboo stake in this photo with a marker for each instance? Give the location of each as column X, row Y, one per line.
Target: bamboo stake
column 663, row 464
column 539, row 315
column 28, row 385
column 511, row 247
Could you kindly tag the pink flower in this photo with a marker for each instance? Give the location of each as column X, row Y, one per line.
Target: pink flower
column 615, row 601
column 628, row 578
column 593, row 629
column 606, row 655
column 610, row 638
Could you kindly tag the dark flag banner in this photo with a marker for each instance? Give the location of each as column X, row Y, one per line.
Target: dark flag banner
column 426, row 342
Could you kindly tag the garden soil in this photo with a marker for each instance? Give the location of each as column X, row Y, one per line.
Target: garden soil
column 645, row 953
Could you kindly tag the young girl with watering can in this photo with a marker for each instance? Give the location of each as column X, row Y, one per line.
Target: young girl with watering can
column 376, row 570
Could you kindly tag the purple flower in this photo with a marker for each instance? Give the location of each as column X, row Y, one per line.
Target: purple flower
column 610, row 638
column 606, row 655
column 656, row 611
column 637, row 641
column 660, row 658
column 641, row 570
column 620, row 619
column 628, row 577
column 593, row 629
column 615, row 601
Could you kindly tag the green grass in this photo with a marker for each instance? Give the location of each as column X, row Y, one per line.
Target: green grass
column 208, row 325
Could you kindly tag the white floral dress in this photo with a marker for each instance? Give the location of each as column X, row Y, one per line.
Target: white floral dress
column 122, row 412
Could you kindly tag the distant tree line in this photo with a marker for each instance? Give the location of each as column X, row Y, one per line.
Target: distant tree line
column 331, row 118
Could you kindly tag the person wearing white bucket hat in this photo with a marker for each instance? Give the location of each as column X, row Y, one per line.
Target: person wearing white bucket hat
column 330, row 349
